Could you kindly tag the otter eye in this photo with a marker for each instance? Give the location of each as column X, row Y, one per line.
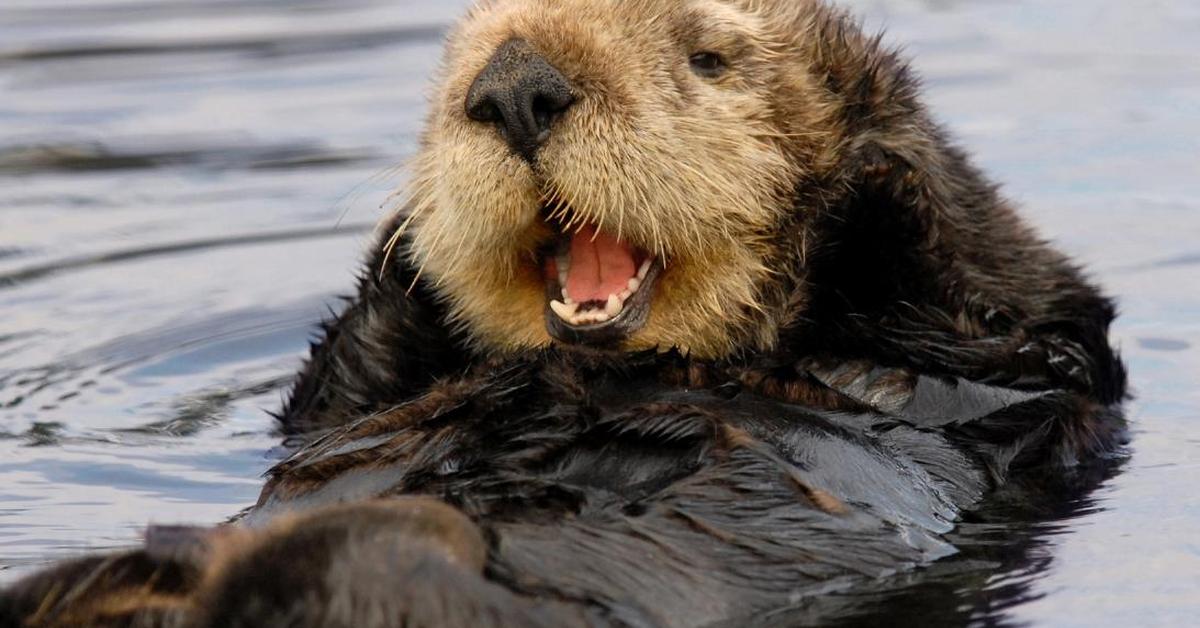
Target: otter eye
column 707, row 64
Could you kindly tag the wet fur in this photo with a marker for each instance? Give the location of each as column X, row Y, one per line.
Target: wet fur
column 892, row 249
column 657, row 492
column 913, row 347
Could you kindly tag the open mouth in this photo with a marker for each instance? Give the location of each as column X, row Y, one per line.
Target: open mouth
column 598, row 288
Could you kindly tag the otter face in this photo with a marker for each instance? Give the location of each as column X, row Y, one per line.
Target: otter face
column 619, row 173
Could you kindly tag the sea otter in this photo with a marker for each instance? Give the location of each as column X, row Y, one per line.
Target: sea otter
column 692, row 314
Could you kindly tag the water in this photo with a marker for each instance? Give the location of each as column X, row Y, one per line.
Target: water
column 185, row 186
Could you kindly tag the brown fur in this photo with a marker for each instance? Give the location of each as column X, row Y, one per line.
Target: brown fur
column 742, row 184
column 804, row 204
column 210, row 577
column 854, row 339
column 698, row 171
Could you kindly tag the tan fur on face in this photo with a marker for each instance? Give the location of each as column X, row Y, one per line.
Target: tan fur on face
column 698, row 171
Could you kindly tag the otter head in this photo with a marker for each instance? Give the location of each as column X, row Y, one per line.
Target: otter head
column 620, row 173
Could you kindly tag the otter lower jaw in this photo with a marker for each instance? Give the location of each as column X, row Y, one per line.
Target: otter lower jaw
column 598, row 289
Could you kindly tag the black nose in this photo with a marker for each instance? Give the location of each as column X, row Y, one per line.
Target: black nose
column 522, row 94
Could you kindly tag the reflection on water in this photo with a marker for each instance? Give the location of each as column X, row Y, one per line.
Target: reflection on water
column 185, row 186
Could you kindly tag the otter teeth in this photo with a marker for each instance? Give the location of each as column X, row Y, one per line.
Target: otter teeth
column 614, row 305
column 570, row 311
column 564, row 311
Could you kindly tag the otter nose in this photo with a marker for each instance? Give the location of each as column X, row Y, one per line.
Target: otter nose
column 522, row 94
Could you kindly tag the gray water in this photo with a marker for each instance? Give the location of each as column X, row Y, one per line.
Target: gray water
column 186, row 185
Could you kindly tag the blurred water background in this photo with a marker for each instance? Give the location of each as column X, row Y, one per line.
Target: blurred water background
column 186, row 186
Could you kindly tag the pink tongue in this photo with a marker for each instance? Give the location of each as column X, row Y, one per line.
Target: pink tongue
column 600, row 265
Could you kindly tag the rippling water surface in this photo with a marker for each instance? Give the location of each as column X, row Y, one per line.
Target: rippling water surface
column 185, row 186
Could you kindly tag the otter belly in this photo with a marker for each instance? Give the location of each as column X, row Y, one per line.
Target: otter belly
column 674, row 506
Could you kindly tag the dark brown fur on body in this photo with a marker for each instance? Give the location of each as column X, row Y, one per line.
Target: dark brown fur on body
column 600, row 495
column 912, row 347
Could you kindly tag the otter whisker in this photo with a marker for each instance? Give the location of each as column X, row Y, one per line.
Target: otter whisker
column 561, row 206
column 416, row 278
column 348, row 199
column 390, row 246
column 392, row 241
